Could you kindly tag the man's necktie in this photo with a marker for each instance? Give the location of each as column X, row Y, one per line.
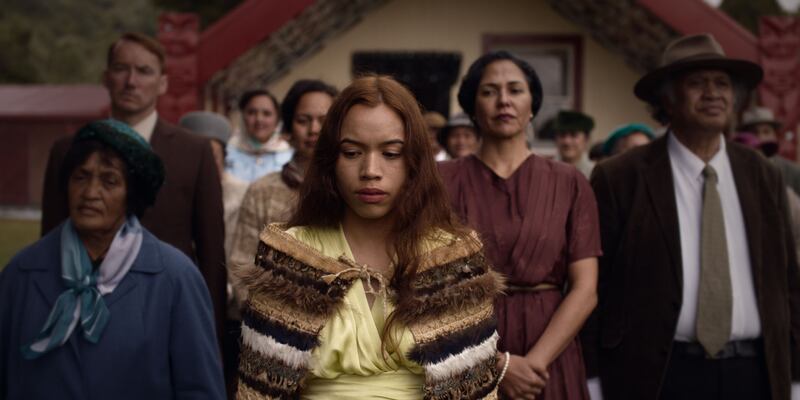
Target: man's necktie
column 715, row 301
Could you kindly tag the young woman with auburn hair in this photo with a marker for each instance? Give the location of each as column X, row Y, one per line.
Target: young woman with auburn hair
column 373, row 289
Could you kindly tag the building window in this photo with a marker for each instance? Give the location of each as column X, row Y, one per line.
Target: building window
column 429, row 75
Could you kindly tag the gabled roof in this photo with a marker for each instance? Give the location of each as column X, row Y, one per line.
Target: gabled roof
column 639, row 30
column 621, row 26
column 695, row 16
column 297, row 39
column 245, row 26
column 53, row 102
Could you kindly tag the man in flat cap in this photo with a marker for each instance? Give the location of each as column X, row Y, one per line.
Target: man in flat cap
column 572, row 130
column 699, row 293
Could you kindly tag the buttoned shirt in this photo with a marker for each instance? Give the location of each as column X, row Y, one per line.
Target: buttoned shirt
column 688, row 181
column 687, row 178
column 146, row 126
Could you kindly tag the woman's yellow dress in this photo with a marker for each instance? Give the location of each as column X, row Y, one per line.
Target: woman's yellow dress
column 348, row 364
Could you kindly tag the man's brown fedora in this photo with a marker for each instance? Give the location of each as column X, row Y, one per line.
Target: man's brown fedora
column 695, row 52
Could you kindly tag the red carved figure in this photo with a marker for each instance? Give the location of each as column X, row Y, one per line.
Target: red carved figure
column 779, row 46
column 180, row 34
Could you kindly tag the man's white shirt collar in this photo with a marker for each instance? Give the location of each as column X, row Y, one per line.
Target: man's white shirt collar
column 146, row 126
column 689, row 163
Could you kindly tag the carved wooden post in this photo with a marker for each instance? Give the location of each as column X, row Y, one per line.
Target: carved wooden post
column 179, row 33
column 779, row 47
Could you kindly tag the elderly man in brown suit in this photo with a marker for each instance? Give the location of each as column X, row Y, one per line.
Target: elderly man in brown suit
column 188, row 211
column 699, row 286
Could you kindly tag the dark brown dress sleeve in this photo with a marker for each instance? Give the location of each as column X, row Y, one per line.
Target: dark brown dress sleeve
column 584, row 228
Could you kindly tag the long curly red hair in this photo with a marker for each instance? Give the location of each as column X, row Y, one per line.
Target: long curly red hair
column 422, row 207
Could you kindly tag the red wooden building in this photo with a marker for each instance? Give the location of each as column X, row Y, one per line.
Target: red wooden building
column 32, row 117
column 263, row 43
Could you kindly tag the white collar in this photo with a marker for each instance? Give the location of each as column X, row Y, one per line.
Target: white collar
column 146, row 126
column 689, row 162
column 583, row 159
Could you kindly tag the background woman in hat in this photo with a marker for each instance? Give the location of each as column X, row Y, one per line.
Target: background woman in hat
column 572, row 130
column 763, row 124
column 218, row 130
column 626, row 137
column 100, row 308
column 538, row 221
column 769, row 148
column 459, row 137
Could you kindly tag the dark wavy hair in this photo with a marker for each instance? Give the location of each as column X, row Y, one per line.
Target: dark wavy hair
column 296, row 92
column 422, row 206
column 247, row 96
column 468, row 90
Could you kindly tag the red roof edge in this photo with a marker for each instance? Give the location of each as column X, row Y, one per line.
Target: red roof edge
column 695, row 16
column 242, row 28
column 51, row 118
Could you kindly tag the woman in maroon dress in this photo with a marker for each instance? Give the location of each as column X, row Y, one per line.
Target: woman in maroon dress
column 538, row 221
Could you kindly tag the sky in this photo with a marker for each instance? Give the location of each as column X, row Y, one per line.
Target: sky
column 787, row 5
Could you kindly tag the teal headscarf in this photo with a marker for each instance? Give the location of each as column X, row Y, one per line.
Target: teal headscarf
column 623, row 131
column 145, row 169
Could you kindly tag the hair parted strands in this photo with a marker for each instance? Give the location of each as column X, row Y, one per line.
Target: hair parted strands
column 468, row 91
column 152, row 45
column 422, row 207
column 248, row 96
column 296, row 92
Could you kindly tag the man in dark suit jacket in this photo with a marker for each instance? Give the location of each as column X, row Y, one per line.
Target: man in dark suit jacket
column 188, row 210
column 662, row 329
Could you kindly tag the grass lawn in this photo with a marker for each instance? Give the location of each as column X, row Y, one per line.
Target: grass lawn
column 14, row 235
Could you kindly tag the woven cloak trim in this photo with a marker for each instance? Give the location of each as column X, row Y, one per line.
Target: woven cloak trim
column 275, row 236
column 446, row 254
column 251, row 389
column 279, row 332
column 469, row 358
column 266, row 346
column 474, row 383
column 435, row 351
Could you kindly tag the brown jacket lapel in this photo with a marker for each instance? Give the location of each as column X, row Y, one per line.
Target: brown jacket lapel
column 657, row 171
column 747, row 184
column 161, row 137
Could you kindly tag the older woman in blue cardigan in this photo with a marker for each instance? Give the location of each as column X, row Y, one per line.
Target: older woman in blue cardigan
column 100, row 308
